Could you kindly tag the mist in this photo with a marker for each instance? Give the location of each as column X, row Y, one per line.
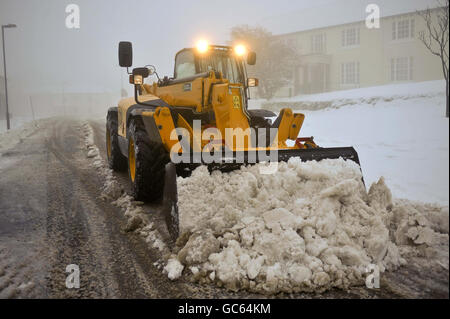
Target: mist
column 53, row 70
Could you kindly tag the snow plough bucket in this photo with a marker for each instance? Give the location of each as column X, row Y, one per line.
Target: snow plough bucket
column 229, row 163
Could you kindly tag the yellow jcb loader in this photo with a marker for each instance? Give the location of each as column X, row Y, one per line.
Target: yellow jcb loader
column 200, row 116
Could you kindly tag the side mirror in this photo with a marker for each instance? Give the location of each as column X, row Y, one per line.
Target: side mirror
column 251, row 58
column 252, row 82
column 125, row 54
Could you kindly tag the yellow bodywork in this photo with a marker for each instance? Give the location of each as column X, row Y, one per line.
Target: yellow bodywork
column 132, row 160
column 206, row 94
column 108, row 142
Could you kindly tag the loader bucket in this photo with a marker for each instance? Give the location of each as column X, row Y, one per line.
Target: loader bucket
column 227, row 164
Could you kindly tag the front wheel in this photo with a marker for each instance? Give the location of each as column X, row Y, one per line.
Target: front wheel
column 146, row 164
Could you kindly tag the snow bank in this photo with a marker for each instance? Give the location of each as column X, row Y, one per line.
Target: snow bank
column 11, row 138
column 310, row 226
column 369, row 95
column 397, row 130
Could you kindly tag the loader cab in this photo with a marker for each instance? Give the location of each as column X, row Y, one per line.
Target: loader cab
column 185, row 65
column 190, row 63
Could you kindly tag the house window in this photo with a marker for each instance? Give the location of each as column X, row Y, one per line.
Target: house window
column 350, row 73
column 318, row 43
column 291, row 43
column 403, row 29
column 402, row 69
column 350, row 37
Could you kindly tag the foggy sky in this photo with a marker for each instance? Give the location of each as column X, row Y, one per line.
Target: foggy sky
column 44, row 56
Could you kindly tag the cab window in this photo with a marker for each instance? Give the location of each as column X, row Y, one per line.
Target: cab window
column 223, row 62
column 185, row 65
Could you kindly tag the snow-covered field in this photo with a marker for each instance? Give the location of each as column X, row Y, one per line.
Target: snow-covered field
column 399, row 131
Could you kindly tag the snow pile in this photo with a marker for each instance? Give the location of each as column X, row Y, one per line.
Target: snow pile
column 173, row 269
column 93, row 151
column 310, row 226
column 9, row 139
column 421, row 230
column 111, row 188
column 138, row 221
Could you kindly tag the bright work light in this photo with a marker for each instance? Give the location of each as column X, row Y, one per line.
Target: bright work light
column 240, row 50
column 202, row 46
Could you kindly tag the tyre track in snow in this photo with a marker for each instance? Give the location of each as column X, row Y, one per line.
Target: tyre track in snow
column 22, row 214
column 88, row 231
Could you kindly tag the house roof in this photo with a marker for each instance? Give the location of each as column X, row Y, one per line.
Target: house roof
column 339, row 12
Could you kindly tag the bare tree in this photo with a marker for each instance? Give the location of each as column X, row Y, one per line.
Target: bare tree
column 435, row 37
column 276, row 59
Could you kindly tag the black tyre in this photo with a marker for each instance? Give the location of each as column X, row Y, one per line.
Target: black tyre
column 116, row 160
column 146, row 164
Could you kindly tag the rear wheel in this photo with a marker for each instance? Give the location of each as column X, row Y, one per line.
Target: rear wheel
column 146, row 164
column 116, row 160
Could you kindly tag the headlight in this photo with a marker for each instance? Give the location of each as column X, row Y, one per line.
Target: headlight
column 240, row 50
column 202, row 46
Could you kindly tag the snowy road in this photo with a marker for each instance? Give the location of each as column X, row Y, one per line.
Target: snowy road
column 51, row 215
